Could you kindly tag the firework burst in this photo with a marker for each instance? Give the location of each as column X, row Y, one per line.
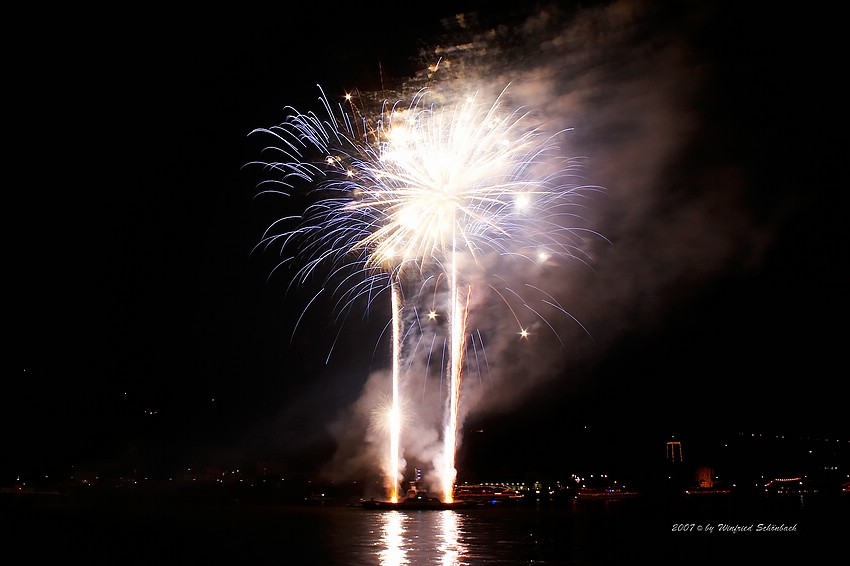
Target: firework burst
column 430, row 187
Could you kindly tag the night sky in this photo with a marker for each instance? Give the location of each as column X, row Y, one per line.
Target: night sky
column 146, row 334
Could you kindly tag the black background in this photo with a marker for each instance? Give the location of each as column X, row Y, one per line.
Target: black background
column 143, row 330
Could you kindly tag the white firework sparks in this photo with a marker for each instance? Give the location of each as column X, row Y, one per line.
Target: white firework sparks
column 424, row 188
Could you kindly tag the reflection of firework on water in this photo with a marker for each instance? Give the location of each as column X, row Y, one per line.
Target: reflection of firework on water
column 423, row 189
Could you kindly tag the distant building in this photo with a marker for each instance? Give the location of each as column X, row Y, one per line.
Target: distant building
column 704, row 477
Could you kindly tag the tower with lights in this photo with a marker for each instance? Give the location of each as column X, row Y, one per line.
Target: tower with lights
column 674, row 451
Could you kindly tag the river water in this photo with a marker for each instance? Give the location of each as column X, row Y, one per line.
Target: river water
column 630, row 531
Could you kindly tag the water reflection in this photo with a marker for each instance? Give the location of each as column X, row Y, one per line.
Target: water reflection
column 392, row 551
column 420, row 537
column 452, row 549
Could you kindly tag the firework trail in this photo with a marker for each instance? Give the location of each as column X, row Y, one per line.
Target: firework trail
column 431, row 187
column 392, row 468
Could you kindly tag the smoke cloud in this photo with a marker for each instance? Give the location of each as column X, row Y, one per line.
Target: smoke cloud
column 626, row 86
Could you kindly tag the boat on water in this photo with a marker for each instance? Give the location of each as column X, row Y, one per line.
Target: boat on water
column 605, row 493
column 417, row 500
column 418, row 503
column 601, row 486
column 486, row 494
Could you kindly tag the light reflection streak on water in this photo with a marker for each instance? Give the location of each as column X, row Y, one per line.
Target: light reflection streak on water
column 451, row 548
column 420, row 537
column 393, row 552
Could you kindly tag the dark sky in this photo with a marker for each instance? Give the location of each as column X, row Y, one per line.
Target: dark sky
column 145, row 334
